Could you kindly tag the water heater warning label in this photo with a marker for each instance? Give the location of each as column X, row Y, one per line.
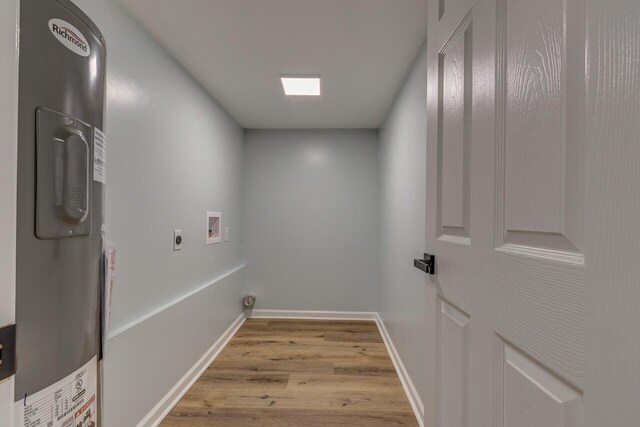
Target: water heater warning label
column 99, row 156
column 71, row 402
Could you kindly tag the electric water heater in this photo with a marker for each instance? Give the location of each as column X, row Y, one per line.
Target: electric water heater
column 61, row 179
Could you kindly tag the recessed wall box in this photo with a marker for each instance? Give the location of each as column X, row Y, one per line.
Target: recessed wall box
column 63, row 190
column 214, row 225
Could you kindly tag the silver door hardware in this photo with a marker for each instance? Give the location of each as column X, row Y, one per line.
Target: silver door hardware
column 428, row 264
column 249, row 300
column 7, row 351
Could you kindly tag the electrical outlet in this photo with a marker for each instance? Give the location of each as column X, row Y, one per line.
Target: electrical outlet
column 177, row 240
column 226, row 234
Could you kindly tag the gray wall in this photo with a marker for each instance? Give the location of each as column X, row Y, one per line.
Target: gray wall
column 8, row 156
column 311, row 219
column 405, row 301
column 8, row 168
column 173, row 153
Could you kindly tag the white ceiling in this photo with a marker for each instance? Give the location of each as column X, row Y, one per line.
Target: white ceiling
column 237, row 49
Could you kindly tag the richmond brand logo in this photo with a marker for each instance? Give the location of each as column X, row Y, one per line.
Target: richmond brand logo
column 70, row 37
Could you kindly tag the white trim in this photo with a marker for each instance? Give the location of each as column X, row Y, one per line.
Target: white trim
column 306, row 314
column 174, row 302
column 171, row 399
column 405, row 379
column 547, row 254
column 409, row 389
column 6, row 402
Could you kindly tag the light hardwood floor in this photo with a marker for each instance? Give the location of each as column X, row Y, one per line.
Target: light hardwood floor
column 298, row 373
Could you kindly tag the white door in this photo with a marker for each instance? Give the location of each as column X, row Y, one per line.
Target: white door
column 505, row 214
column 533, row 112
column 8, row 149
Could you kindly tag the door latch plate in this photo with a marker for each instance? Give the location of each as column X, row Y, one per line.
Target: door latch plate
column 7, row 351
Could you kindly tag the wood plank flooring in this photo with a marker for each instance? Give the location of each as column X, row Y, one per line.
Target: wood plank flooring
column 298, row 373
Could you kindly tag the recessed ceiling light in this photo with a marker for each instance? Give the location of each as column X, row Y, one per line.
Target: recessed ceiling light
column 301, row 85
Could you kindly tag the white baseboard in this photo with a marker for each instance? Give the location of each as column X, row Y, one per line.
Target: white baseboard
column 164, row 406
column 407, row 384
column 306, row 314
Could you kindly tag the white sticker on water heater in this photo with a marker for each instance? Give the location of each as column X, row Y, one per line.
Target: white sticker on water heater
column 99, row 156
column 70, row 37
column 109, row 278
column 72, row 401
